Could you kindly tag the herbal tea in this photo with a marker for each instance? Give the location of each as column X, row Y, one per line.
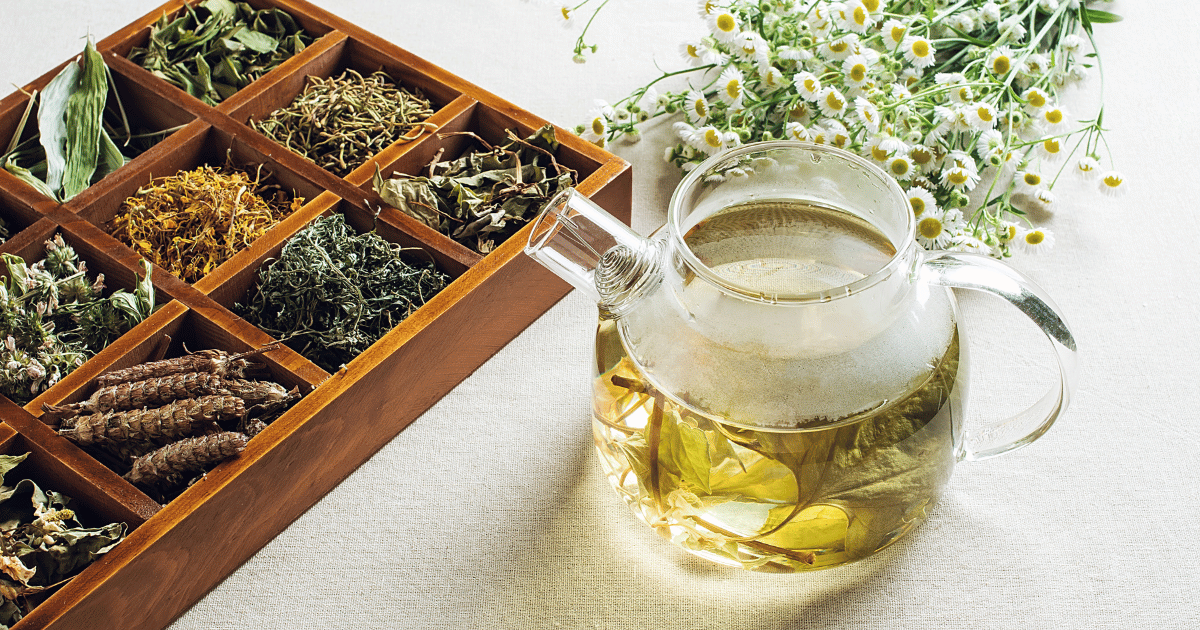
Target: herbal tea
column 762, row 493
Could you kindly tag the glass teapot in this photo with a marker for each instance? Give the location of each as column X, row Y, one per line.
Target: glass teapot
column 780, row 375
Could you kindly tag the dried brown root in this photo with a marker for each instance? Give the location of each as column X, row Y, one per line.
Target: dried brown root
column 217, row 362
column 172, row 464
column 157, row 426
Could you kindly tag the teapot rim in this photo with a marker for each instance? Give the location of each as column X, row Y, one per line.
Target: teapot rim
column 676, row 235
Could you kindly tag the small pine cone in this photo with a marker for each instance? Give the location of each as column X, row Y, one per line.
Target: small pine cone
column 172, row 463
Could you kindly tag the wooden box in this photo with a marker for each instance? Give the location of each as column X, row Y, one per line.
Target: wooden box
column 177, row 552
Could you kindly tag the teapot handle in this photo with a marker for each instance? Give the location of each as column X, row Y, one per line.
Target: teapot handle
column 975, row 271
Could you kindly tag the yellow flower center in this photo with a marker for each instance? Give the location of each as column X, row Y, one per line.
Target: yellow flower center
column 920, row 49
column 1054, row 116
column 911, row 82
column 858, row 72
column 921, row 155
column 1001, row 64
column 692, row 51
column 726, row 23
column 1113, row 180
column 957, row 176
column 965, row 94
column 930, row 227
column 818, row 137
column 918, row 205
column 834, row 102
column 839, row 46
column 859, row 16
column 712, row 138
column 840, row 140
column 897, row 33
column 800, row 110
column 709, row 7
column 879, row 153
column 1035, row 237
column 1037, row 99
column 984, row 114
column 598, row 125
column 871, row 5
column 1010, row 232
column 566, row 13
column 900, row 168
column 1051, row 146
column 733, row 89
column 701, row 108
column 810, row 85
column 748, row 49
column 1032, row 179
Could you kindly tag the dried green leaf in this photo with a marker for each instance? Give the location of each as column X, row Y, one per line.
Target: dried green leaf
column 258, row 42
column 84, row 117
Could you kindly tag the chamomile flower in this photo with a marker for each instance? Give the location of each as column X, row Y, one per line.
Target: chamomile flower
column 724, row 26
column 808, row 85
column 801, row 112
column 1035, row 100
column 853, row 16
column 1050, row 149
column 981, row 116
column 1112, row 184
column 894, row 32
column 1034, row 241
column 856, row 70
column 751, row 46
column 836, row 133
column 961, row 94
column 923, row 158
column 832, row 102
column 1000, row 61
column 796, row 131
column 1052, row 118
column 840, row 48
column 731, row 87
column 696, row 107
column 1071, row 43
column 867, row 113
column 1007, row 231
column 990, row 12
column 900, row 167
column 707, row 8
column 921, row 201
column 1087, row 167
column 568, row 17
column 918, row 51
column 793, row 54
column 708, row 139
column 693, row 52
column 932, row 231
column 990, row 142
column 1045, row 196
column 950, row 119
column 1029, row 181
column 771, row 79
column 960, row 178
column 818, row 134
column 879, row 148
column 599, row 119
column 1012, row 29
column 963, row 239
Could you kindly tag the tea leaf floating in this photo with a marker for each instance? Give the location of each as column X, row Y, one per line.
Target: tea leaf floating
column 332, row 293
column 53, row 318
column 42, row 542
column 339, row 123
column 191, row 222
column 213, row 51
column 485, row 196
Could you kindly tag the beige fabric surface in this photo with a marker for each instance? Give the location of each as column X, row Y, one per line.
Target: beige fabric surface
column 490, row 511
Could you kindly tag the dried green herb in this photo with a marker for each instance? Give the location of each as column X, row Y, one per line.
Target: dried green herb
column 75, row 146
column 53, row 318
column 191, row 222
column 340, row 122
column 42, row 542
column 218, row 47
column 332, row 293
column 485, row 196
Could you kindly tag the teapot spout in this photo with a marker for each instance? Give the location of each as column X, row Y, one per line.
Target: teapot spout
column 595, row 252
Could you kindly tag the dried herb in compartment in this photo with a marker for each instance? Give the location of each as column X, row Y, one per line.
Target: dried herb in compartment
column 485, row 196
column 332, row 293
column 191, row 222
column 218, row 47
column 163, row 424
column 81, row 137
column 42, row 542
column 53, row 317
column 340, row 122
